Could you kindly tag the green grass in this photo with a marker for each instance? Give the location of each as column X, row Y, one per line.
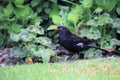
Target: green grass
column 97, row 69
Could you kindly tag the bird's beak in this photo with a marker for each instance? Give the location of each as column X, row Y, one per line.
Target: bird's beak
column 52, row 28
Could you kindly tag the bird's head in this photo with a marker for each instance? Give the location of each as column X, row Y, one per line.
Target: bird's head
column 58, row 28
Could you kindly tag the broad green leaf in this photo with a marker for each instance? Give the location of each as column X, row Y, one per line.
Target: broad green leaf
column 35, row 2
column 26, row 36
column 54, row 1
column 46, row 54
column 8, row 10
column 116, row 23
column 56, row 19
column 46, row 4
column 44, row 41
column 18, row 2
column 36, row 29
column 47, row 10
column 14, row 28
column 73, row 17
column 78, row 9
column 24, row 13
column 92, row 33
column 98, row 10
column 15, row 37
column 106, row 4
column 92, row 23
column 106, row 42
column 54, row 11
column 87, row 3
column 39, row 8
column 115, row 41
column 118, row 10
column 17, row 52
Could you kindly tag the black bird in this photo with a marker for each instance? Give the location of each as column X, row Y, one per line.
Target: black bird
column 71, row 42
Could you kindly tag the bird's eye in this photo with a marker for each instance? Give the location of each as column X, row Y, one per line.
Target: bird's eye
column 60, row 28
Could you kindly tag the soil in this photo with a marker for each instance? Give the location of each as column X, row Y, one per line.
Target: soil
column 64, row 55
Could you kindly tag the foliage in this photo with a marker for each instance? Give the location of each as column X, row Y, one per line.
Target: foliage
column 20, row 22
column 96, row 19
column 23, row 23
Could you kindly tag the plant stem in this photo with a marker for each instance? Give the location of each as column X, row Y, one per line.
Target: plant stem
column 76, row 30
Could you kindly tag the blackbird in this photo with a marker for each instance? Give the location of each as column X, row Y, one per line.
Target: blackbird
column 72, row 42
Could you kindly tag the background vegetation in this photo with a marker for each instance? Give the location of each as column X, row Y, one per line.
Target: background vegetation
column 23, row 24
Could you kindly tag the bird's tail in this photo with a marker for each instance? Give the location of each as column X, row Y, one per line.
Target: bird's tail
column 91, row 46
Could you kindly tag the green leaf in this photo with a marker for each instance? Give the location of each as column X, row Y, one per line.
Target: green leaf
column 23, row 13
column 106, row 42
column 87, row 3
column 17, row 52
column 73, row 17
column 47, row 10
column 98, row 10
column 92, row 33
column 36, row 29
column 118, row 10
column 78, row 9
column 15, row 37
column 8, row 10
column 44, row 41
column 54, row 11
column 46, row 4
column 46, row 54
column 35, row 2
column 116, row 23
column 18, row 2
column 56, row 19
column 26, row 36
column 14, row 28
column 115, row 41
column 106, row 4
column 39, row 9
column 92, row 23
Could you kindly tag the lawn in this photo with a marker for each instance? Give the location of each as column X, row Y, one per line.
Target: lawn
column 96, row 69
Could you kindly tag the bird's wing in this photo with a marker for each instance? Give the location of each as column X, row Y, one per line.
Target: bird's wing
column 75, row 39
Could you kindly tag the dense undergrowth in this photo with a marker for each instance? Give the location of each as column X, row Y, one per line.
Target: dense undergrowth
column 23, row 25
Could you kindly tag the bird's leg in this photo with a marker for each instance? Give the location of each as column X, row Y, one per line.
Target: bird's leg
column 75, row 56
column 81, row 55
